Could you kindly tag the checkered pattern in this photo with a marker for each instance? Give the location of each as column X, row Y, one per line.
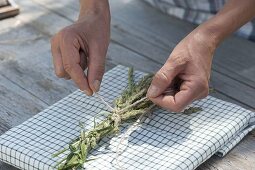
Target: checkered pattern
column 198, row 11
column 163, row 141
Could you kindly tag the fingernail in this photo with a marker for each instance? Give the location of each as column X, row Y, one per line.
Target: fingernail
column 96, row 85
column 87, row 92
column 153, row 91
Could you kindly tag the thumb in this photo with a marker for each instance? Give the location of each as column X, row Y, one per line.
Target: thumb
column 162, row 80
column 96, row 67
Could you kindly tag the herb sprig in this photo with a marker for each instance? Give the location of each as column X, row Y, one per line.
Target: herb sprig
column 128, row 107
column 134, row 96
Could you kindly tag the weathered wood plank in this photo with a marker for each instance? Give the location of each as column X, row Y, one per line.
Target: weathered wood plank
column 19, row 101
column 137, row 32
column 5, row 124
column 120, row 55
column 34, row 15
column 32, row 70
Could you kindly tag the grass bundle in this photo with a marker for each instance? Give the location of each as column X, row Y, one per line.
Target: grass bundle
column 128, row 107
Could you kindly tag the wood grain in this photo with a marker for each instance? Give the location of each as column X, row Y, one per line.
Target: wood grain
column 139, row 33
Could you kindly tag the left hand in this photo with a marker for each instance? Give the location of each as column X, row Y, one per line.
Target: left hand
column 83, row 45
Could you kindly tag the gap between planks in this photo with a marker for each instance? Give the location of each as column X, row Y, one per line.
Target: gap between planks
column 130, row 53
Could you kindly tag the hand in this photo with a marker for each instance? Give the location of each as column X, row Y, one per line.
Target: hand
column 83, row 45
column 188, row 67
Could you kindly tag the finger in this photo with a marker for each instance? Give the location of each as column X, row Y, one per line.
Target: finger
column 96, row 66
column 183, row 98
column 57, row 59
column 162, row 80
column 180, row 100
column 71, row 63
column 174, row 103
column 165, row 101
column 83, row 60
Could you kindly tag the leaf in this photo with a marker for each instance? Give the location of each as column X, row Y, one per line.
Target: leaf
column 88, row 160
column 59, row 152
column 69, row 157
column 72, row 148
column 82, row 134
column 131, row 83
column 83, row 150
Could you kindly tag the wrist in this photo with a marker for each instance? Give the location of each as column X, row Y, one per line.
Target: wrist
column 94, row 7
column 213, row 33
column 205, row 38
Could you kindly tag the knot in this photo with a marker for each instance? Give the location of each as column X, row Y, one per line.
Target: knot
column 116, row 119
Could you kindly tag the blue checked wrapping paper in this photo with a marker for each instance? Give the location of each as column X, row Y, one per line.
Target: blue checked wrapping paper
column 163, row 141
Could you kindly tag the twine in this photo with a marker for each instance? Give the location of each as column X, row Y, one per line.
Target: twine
column 132, row 105
column 117, row 120
column 103, row 101
column 125, row 137
column 127, row 134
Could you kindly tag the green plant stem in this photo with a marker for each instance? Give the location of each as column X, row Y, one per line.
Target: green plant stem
column 129, row 106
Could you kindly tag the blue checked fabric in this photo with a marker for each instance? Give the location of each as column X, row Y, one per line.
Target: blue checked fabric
column 198, row 11
column 165, row 141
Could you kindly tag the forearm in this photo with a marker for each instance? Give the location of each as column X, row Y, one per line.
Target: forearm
column 233, row 15
column 94, row 7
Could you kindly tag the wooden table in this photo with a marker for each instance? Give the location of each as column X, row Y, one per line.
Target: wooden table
column 141, row 37
column 8, row 8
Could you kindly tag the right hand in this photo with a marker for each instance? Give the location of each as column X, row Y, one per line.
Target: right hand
column 83, row 45
column 186, row 73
